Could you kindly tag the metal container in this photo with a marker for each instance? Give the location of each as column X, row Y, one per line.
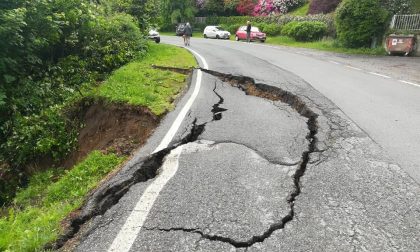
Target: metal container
column 400, row 44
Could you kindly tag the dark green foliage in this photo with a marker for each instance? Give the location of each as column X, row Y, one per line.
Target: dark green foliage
column 305, row 31
column 400, row 6
column 269, row 29
column 48, row 134
column 176, row 11
column 359, row 22
column 111, row 42
column 231, row 28
column 49, row 51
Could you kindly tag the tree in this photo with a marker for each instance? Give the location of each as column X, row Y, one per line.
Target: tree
column 176, row 11
column 398, row 6
column 359, row 22
column 215, row 7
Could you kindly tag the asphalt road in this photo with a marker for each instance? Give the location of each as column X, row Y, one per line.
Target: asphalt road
column 270, row 163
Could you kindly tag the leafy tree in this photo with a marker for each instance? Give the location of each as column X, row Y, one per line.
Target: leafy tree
column 215, row 6
column 176, row 11
column 398, row 6
column 359, row 22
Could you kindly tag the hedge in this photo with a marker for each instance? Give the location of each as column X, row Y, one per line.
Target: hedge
column 236, row 21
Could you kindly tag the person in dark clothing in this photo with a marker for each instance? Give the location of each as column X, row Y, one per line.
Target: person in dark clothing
column 248, row 31
column 187, row 34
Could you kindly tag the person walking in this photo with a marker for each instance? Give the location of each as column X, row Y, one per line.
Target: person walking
column 248, row 31
column 187, row 34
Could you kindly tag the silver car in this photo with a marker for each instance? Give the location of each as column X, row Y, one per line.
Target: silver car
column 217, row 32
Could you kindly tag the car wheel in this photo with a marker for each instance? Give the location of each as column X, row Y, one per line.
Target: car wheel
column 236, row 38
column 262, row 41
column 205, row 36
column 157, row 40
column 217, row 37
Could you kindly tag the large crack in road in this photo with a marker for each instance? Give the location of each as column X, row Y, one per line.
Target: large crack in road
column 108, row 196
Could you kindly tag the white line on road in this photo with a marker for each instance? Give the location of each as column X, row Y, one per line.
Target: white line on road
column 137, row 217
column 180, row 118
column 335, row 62
column 355, row 68
column 128, row 234
column 410, row 83
column 380, row 75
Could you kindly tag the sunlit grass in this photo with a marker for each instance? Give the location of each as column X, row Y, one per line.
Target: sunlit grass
column 138, row 83
column 324, row 45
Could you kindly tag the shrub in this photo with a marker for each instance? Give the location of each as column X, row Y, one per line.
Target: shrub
column 231, row 28
column 46, row 135
column 280, row 20
column 111, row 42
column 357, row 29
column 305, row 31
column 323, row 6
column 269, row 28
column 270, row 7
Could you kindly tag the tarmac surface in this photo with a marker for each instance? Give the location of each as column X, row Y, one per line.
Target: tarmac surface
column 269, row 164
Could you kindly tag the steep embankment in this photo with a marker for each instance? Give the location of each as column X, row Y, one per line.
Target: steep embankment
column 116, row 117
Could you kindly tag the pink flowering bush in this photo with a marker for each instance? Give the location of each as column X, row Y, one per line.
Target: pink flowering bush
column 272, row 7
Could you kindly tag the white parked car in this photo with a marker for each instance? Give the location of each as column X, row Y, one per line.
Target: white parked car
column 217, row 32
column 154, row 35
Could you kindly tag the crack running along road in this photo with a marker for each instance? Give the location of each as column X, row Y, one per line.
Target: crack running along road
column 135, row 221
column 347, row 187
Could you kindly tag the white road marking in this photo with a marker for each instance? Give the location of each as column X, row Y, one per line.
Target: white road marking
column 137, row 217
column 381, row 75
column 180, row 118
column 355, row 68
column 410, row 83
column 128, row 234
column 205, row 65
column 335, row 62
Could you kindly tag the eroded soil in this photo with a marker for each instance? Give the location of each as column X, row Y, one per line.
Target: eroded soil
column 117, row 128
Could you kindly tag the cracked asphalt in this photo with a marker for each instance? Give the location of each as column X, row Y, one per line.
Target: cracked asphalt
column 287, row 173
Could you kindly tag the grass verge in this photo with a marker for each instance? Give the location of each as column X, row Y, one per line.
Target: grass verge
column 38, row 211
column 324, row 45
column 139, row 84
column 329, row 45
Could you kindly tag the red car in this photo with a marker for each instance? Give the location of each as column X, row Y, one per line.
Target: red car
column 255, row 34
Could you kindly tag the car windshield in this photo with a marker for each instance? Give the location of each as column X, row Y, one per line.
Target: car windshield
column 255, row 29
column 218, row 28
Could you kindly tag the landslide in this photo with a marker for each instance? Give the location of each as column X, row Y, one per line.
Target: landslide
column 111, row 127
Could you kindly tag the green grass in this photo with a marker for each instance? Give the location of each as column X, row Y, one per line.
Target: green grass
column 139, row 84
column 39, row 209
column 301, row 11
column 324, row 45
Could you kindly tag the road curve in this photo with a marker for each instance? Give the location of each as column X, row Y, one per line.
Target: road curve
column 264, row 162
column 388, row 110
